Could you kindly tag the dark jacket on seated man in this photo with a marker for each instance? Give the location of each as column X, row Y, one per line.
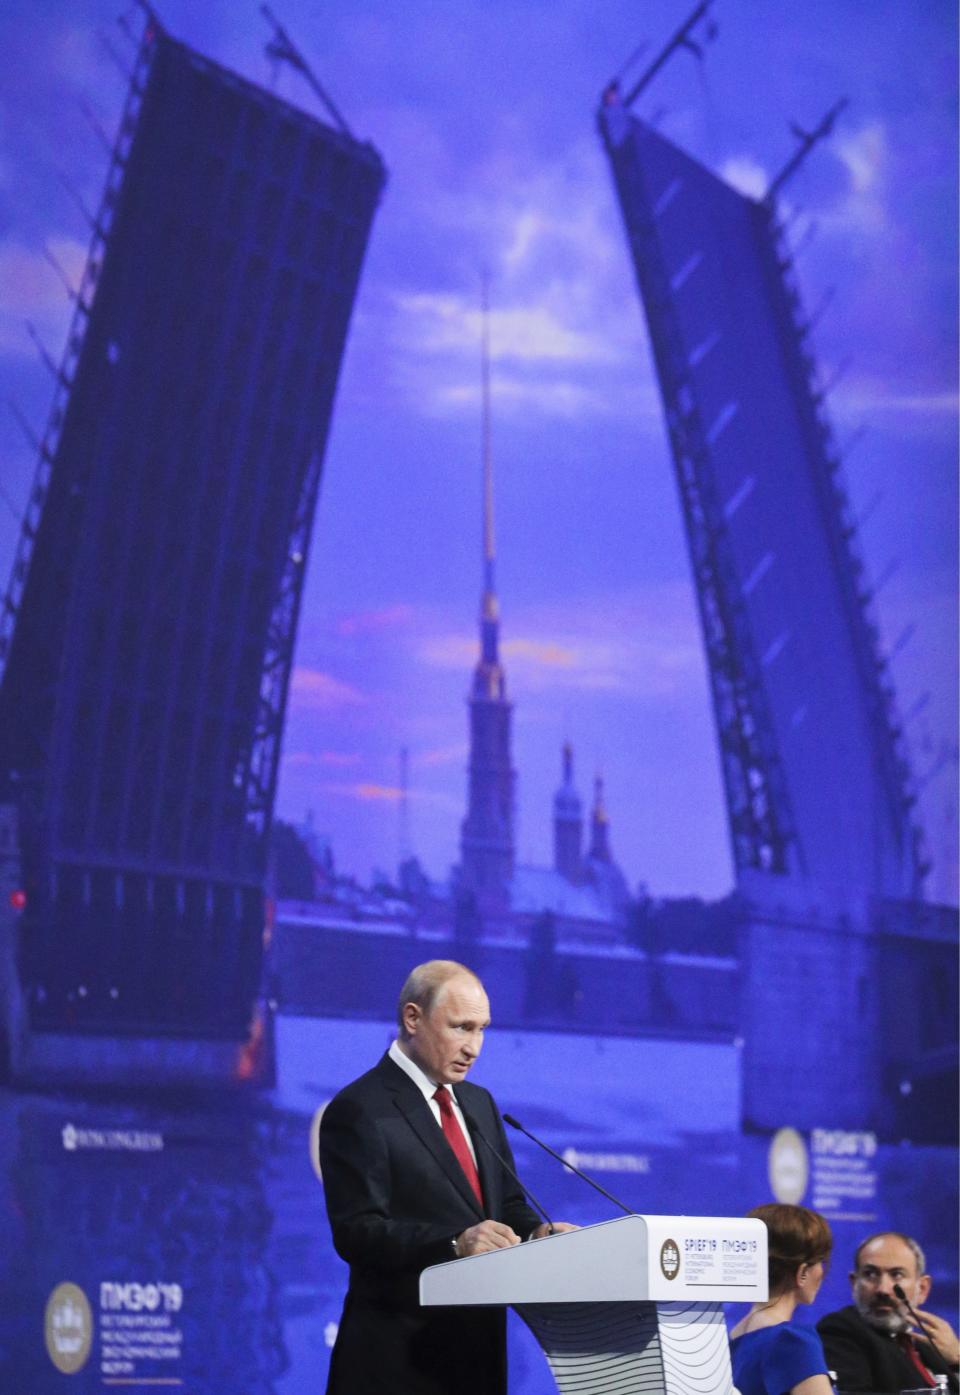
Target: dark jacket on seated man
column 865, row 1358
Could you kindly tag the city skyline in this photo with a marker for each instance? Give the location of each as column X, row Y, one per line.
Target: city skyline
column 599, row 636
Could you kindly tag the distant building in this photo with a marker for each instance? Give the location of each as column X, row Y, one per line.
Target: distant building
column 486, row 840
column 568, row 824
column 486, row 843
column 585, row 895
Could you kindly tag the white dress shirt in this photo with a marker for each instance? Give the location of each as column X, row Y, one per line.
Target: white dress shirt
column 427, row 1087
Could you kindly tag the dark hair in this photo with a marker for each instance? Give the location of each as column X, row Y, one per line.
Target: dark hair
column 795, row 1236
column 919, row 1257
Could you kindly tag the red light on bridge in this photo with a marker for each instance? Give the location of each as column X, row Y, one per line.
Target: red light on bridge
column 18, row 899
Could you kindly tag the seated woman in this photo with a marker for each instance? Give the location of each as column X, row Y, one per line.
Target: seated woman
column 769, row 1355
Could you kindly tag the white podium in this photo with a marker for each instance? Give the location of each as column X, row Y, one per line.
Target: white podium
column 627, row 1307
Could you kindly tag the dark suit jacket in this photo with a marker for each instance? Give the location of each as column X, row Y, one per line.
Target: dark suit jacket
column 396, row 1196
column 866, row 1359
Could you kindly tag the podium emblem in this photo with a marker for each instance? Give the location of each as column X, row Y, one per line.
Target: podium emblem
column 669, row 1259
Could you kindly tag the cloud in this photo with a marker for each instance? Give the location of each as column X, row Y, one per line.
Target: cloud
column 30, row 289
column 926, row 404
column 528, row 228
column 865, row 155
column 460, row 652
column 311, row 759
column 370, row 792
column 564, row 399
column 390, row 794
column 339, row 758
column 440, row 756
column 862, row 208
column 561, row 345
column 746, row 175
column 368, row 622
column 440, row 322
column 311, row 690
column 873, row 396
column 298, row 760
column 556, row 212
column 449, row 651
column 551, row 655
column 618, row 644
column 367, row 792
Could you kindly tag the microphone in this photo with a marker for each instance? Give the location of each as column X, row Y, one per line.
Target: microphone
column 902, row 1297
column 474, row 1128
column 515, row 1124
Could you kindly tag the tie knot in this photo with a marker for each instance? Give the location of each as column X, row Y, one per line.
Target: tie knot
column 442, row 1095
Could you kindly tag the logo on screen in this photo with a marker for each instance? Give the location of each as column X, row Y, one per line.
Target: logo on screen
column 788, row 1166
column 68, row 1328
column 670, row 1259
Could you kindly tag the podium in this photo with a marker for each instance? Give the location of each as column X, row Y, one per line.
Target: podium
column 626, row 1307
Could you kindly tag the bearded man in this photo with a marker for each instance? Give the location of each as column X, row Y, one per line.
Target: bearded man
column 871, row 1345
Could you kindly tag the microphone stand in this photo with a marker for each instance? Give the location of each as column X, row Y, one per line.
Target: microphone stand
column 902, row 1297
column 515, row 1124
column 474, row 1129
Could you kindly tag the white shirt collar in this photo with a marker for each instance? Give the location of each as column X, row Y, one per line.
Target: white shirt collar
column 428, row 1089
column 424, row 1084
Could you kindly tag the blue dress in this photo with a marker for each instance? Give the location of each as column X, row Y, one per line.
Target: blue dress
column 772, row 1360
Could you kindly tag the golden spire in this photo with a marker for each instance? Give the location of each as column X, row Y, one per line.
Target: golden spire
column 488, row 534
column 488, row 678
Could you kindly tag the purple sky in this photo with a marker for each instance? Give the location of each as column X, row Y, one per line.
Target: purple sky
column 484, row 115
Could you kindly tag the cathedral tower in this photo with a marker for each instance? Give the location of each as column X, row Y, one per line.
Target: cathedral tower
column 568, row 824
column 486, row 839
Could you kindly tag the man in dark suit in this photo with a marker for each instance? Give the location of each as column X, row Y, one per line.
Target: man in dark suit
column 411, row 1180
column 870, row 1345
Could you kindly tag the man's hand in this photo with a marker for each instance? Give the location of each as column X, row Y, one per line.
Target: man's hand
column 488, row 1235
column 558, row 1228
column 942, row 1335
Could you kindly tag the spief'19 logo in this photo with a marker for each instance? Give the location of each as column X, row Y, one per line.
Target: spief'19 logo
column 670, row 1259
column 68, row 1328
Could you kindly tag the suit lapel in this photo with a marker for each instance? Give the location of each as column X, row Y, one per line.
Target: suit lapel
column 415, row 1109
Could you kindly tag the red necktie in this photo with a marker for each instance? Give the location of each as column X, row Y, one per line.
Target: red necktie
column 906, row 1341
column 453, row 1133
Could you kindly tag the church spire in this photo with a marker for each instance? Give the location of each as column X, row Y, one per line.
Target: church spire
column 489, row 676
column 488, row 535
column 599, row 825
column 568, row 823
column 486, row 841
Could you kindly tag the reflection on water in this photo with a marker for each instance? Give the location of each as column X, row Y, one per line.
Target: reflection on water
column 216, row 1199
column 152, row 1199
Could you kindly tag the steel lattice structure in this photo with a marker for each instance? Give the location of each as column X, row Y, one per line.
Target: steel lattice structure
column 148, row 632
column 816, row 775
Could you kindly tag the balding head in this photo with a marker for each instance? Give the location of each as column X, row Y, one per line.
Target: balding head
column 443, row 1015
column 425, row 983
column 881, row 1261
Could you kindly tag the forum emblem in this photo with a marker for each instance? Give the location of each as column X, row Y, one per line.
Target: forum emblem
column 788, row 1166
column 68, row 1328
column 669, row 1259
